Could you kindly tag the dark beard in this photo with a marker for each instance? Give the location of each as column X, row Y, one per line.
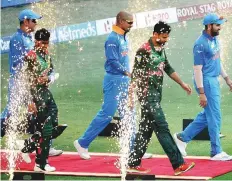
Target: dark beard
column 214, row 33
column 161, row 44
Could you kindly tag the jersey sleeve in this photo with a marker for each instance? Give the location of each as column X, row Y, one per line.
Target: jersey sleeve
column 198, row 52
column 112, row 55
column 168, row 68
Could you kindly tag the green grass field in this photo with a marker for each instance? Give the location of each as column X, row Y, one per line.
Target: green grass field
column 78, row 91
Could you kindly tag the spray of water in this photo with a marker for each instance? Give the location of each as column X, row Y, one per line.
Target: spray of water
column 17, row 122
column 128, row 124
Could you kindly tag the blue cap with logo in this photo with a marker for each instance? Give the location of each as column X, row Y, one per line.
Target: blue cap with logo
column 28, row 14
column 213, row 18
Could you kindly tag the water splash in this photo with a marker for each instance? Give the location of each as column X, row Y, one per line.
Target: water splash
column 16, row 124
column 126, row 135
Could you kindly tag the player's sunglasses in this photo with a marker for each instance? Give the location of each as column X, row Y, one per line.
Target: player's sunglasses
column 34, row 21
column 129, row 22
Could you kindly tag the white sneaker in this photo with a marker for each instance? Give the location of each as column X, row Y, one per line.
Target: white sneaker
column 47, row 168
column 54, row 152
column 221, row 135
column 25, row 156
column 181, row 145
column 83, row 152
column 223, row 156
column 147, row 156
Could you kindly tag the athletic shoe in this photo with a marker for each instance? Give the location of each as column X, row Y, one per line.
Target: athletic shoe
column 181, row 145
column 137, row 169
column 83, row 152
column 221, row 135
column 47, row 168
column 184, row 168
column 147, row 156
column 54, row 152
column 223, row 156
column 25, row 156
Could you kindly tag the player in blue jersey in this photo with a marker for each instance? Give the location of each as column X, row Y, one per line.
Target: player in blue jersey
column 207, row 68
column 115, row 84
column 20, row 44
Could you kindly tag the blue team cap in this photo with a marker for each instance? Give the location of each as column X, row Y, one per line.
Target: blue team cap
column 213, row 18
column 28, row 14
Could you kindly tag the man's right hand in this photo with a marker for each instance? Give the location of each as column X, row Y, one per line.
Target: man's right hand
column 42, row 80
column 128, row 74
column 132, row 86
column 203, row 100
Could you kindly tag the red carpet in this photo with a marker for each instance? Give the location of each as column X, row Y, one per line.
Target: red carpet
column 102, row 164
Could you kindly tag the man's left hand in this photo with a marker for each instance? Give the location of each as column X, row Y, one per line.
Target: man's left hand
column 229, row 83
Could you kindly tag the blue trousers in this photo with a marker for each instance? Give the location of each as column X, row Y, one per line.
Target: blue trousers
column 210, row 116
column 115, row 90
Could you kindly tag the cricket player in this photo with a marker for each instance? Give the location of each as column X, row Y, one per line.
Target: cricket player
column 20, row 44
column 46, row 114
column 147, row 78
column 115, row 84
column 207, row 68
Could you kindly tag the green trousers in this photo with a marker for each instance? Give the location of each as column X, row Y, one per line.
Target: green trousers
column 46, row 120
column 153, row 119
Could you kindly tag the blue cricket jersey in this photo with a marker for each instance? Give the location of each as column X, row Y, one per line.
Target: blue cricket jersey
column 20, row 44
column 206, row 52
column 116, row 52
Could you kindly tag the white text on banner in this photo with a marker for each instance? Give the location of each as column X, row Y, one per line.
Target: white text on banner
column 224, row 5
column 77, row 31
column 150, row 18
column 104, row 26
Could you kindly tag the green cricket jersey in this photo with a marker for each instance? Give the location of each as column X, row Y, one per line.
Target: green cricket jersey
column 39, row 65
column 148, row 71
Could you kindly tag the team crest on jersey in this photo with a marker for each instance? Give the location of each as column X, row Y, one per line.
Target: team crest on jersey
column 153, row 57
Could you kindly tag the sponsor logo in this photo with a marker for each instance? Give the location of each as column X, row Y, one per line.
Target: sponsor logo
column 111, row 45
column 216, row 56
column 226, row 4
column 124, row 53
column 197, row 11
column 74, row 32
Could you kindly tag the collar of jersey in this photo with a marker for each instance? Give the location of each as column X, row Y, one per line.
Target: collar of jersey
column 153, row 46
column 118, row 30
column 24, row 33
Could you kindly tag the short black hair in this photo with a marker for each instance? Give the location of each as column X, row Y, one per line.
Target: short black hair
column 162, row 27
column 206, row 26
column 42, row 34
